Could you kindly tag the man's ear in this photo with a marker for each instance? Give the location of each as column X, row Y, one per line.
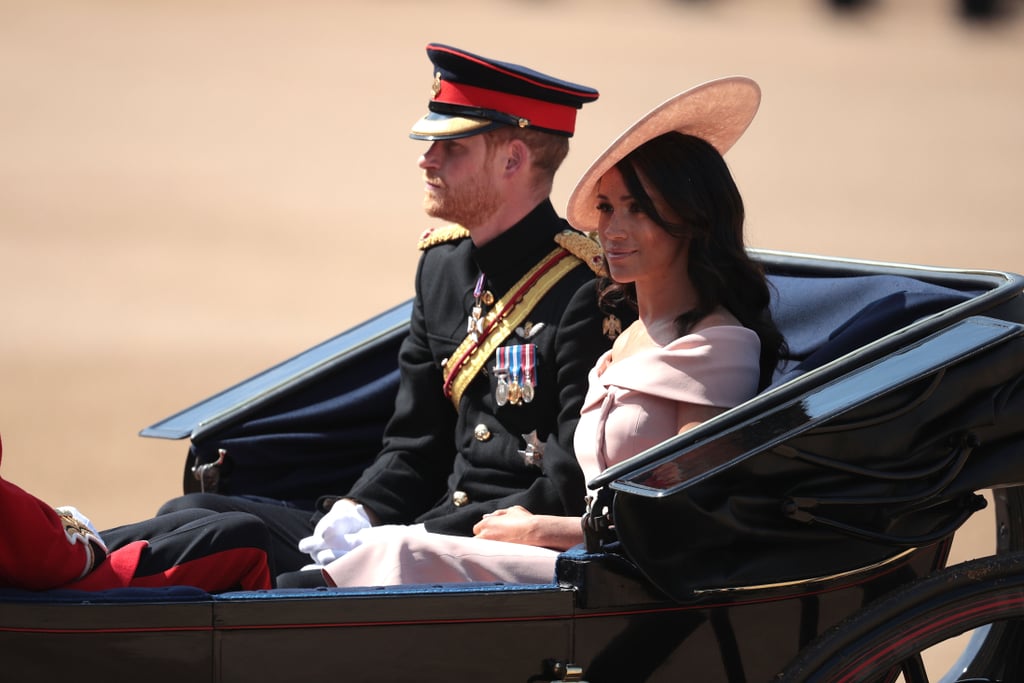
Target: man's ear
column 517, row 156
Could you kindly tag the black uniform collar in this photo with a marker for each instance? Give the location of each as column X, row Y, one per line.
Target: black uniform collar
column 508, row 256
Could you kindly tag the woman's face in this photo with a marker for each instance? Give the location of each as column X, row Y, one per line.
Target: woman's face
column 637, row 249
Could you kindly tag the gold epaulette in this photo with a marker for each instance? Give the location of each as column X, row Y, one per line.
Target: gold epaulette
column 441, row 234
column 584, row 247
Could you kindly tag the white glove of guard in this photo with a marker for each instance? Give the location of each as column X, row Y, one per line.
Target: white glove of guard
column 78, row 527
column 336, row 533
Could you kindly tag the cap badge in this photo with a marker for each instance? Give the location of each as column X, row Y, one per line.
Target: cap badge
column 435, row 89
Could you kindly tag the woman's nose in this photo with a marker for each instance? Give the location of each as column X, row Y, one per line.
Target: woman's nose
column 610, row 230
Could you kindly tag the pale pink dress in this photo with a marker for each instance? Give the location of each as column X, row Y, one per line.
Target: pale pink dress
column 630, row 406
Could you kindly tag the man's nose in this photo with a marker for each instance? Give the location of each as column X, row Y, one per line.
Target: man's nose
column 429, row 158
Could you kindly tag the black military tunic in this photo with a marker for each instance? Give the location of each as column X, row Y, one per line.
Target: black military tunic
column 446, row 466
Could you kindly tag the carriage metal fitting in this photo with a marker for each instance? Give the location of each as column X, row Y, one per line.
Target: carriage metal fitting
column 597, row 523
column 555, row 670
column 208, row 474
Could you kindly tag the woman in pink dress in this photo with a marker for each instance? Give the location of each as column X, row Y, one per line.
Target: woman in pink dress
column 669, row 219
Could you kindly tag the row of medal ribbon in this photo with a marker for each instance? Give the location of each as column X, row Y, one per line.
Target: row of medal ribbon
column 515, row 368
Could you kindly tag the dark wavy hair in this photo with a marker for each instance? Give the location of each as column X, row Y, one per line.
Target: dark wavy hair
column 694, row 181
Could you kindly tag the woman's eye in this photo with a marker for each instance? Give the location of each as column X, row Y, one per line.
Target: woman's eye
column 604, row 207
column 635, row 207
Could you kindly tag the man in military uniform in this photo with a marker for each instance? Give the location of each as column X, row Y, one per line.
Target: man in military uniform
column 504, row 330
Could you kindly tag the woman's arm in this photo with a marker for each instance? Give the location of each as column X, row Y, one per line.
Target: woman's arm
column 690, row 415
column 518, row 525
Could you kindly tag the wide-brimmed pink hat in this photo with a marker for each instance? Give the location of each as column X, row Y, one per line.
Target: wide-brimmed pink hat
column 718, row 111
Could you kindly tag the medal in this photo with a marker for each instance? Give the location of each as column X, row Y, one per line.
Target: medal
column 529, row 355
column 515, row 368
column 515, row 394
column 501, row 393
column 501, row 372
column 475, row 323
column 515, row 389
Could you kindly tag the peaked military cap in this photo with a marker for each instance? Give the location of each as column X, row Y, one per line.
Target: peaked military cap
column 472, row 94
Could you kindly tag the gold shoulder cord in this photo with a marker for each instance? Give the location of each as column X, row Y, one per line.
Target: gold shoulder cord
column 441, row 234
column 508, row 313
column 585, row 247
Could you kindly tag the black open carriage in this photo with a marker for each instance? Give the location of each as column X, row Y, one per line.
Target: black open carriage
column 802, row 536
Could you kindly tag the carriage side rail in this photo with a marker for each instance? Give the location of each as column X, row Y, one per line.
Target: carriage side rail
column 226, row 407
column 667, row 470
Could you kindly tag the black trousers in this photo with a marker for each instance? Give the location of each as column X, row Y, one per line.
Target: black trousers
column 286, row 525
column 198, row 548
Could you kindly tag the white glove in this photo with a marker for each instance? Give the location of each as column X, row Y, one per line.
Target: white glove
column 335, row 533
column 78, row 527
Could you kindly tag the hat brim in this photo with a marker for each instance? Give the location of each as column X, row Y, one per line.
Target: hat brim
column 437, row 126
column 718, row 111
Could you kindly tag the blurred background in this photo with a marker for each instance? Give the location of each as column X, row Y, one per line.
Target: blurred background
column 191, row 192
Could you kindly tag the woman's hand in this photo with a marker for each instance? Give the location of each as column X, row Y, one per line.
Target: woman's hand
column 513, row 525
column 516, row 524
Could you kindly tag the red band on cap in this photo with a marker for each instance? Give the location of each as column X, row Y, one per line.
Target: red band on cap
column 539, row 113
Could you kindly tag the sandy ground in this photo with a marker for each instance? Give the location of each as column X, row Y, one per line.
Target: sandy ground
column 191, row 192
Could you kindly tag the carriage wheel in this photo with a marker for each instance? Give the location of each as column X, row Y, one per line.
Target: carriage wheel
column 886, row 638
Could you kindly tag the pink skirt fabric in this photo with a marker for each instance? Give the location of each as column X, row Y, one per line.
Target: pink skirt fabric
column 411, row 555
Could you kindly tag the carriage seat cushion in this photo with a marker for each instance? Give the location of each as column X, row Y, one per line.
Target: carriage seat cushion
column 112, row 595
column 823, row 318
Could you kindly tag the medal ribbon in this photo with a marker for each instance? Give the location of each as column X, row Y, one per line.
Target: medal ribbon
column 516, row 354
column 501, row 321
column 529, row 377
column 501, row 372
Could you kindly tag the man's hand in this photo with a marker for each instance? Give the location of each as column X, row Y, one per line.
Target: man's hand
column 336, row 532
